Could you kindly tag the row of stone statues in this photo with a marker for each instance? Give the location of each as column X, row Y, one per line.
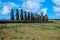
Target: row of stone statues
column 27, row 16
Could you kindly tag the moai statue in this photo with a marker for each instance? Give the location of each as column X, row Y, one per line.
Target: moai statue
column 46, row 18
column 28, row 16
column 32, row 16
column 17, row 14
column 37, row 17
column 41, row 17
column 25, row 16
column 21, row 14
column 12, row 14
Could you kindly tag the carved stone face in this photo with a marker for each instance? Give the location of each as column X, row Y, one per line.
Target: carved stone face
column 21, row 10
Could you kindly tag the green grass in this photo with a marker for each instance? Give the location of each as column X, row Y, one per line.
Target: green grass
column 30, row 31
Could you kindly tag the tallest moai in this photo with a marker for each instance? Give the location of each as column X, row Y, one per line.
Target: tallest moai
column 17, row 14
column 12, row 15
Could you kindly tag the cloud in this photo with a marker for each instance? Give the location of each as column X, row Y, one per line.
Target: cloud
column 5, row 10
column 32, row 5
column 56, row 10
column 7, row 7
column 57, row 2
column 57, row 7
column 44, row 10
column 0, row 2
column 38, row 1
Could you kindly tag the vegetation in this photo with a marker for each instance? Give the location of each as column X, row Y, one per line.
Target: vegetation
column 30, row 31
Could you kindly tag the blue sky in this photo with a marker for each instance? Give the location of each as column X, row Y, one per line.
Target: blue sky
column 49, row 7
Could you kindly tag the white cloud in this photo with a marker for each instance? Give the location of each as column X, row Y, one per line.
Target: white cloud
column 57, row 10
column 7, row 7
column 38, row 0
column 0, row 2
column 32, row 5
column 57, row 7
column 33, row 0
column 57, row 14
column 5, row 10
column 57, row 2
column 44, row 10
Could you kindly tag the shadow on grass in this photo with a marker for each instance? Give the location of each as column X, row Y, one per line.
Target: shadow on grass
column 3, row 27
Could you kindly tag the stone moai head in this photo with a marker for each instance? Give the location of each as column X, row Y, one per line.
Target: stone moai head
column 28, row 13
column 11, row 11
column 21, row 10
column 31, row 14
column 45, row 14
column 25, row 12
column 42, row 14
column 17, row 11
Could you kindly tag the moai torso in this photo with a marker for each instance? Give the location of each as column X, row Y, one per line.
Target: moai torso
column 28, row 16
column 12, row 14
column 25, row 16
column 46, row 18
column 41, row 17
column 21, row 14
column 32, row 17
column 17, row 14
column 38, row 17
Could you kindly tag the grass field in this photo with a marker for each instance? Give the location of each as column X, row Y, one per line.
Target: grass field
column 30, row 31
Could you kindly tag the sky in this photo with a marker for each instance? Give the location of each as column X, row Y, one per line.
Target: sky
column 49, row 7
